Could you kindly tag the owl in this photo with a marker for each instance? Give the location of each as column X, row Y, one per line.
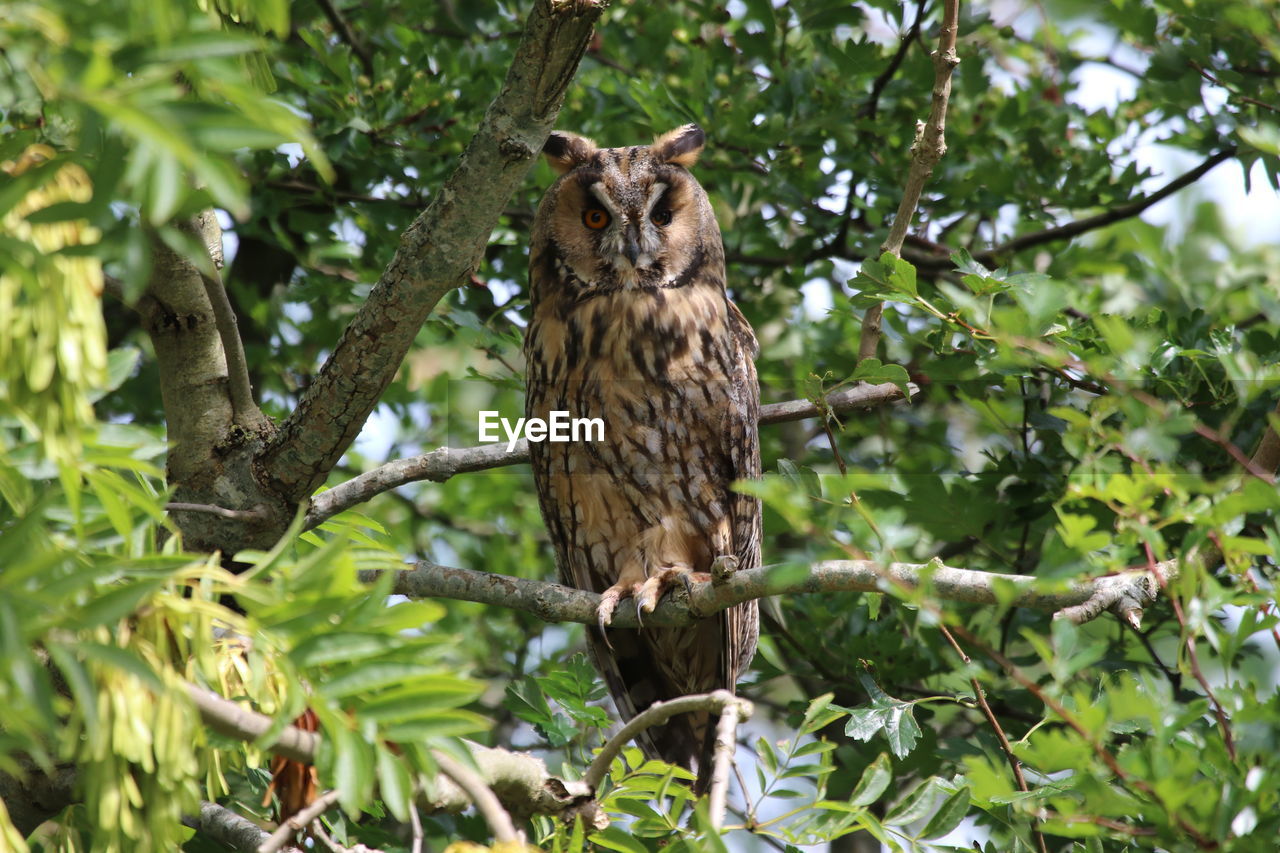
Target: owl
column 630, row 323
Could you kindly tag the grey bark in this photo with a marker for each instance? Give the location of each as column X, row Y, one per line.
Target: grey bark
column 437, row 253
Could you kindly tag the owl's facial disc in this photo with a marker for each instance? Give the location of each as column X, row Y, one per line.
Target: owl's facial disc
column 632, row 241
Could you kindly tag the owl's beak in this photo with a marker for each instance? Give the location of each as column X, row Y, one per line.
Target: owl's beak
column 631, row 249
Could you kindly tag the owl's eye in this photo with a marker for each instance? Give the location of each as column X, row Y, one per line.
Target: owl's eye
column 595, row 219
column 660, row 217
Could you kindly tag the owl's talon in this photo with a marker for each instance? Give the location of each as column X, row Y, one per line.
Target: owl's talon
column 608, row 603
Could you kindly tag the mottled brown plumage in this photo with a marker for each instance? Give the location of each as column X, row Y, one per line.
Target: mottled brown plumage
column 630, row 323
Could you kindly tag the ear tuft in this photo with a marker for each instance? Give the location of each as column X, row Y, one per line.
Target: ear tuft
column 567, row 151
column 681, row 146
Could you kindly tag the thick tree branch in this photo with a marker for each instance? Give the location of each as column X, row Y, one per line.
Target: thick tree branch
column 220, row 824
column 486, row 802
column 179, row 318
column 437, row 253
column 1079, row 601
column 927, row 149
column 445, row 462
column 520, row 781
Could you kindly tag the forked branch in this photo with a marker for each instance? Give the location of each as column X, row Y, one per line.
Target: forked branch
column 437, row 253
column 656, row 715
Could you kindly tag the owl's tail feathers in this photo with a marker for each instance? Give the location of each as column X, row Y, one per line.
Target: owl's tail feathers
column 636, row 676
column 687, row 740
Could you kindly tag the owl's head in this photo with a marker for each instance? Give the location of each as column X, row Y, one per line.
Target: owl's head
column 621, row 218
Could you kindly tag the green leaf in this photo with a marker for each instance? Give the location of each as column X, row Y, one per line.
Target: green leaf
column 913, row 807
column 615, row 838
column 117, row 603
column 885, row 714
column 394, row 784
column 371, row 676
column 874, row 781
column 120, row 659
column 871, row 371
column 948, row 816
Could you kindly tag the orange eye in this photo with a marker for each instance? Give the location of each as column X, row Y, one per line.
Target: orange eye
column 595, row 219
column 660, row 217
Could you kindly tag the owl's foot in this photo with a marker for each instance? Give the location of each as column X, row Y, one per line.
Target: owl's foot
column 723, row 567
column 609, row 600
column 657, row 585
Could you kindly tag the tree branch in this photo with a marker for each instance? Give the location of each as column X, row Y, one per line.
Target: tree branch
column 486, row 802
column 445, row 462
column 246, row 412
column 927, row 149
column 229, row 719
column 179, row 319
column 259, row 513
column 220, row 824
column 656, row 715
column 520, row 781
column 348, row 35
column 738, row 711
column 1078, row 601
column 872, row 104
column 297, row 823
column 1107, row 217
column 437, row 253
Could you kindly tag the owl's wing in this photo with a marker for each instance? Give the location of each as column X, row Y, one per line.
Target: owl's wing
column 741, row 623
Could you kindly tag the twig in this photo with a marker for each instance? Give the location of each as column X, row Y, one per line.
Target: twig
column 1078, row 601
column 1014, row 764
column 1204, row 72
column 1098, row 748
column 445, row 462
column 872, row 103
column 1125, row 211
column 655, row 715
column 258, row 513
column 348, row 35
column 289, row 828
column 485, row 801
column 415, row 825
column 243, row 407
column 1224, row 725
column 722, row 759
column 927, row 149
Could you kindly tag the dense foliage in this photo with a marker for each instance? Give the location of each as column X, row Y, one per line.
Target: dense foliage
column 1085, row 404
